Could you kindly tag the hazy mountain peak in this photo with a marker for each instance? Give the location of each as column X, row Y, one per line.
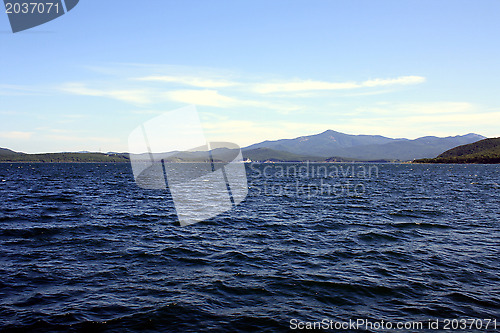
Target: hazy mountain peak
column 366, row 147
column 329, row 132
column 474, row 135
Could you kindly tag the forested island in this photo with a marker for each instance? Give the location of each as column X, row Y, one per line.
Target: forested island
column 7, row 155
column 486, row 151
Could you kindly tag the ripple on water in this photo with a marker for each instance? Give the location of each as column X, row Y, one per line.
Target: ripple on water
column 82, row 248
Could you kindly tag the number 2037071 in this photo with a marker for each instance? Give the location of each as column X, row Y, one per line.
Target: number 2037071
column 468, row 324
column 31, row 8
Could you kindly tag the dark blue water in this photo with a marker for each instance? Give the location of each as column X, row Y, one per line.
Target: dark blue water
column 82, row 248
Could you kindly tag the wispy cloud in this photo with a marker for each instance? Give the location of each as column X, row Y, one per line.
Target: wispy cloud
column 311, row 85
column 16, row 135
column 402, row 80
column 214, row 99
column 214, row 89
column 201, row 97
column 200, row 82
column 135, row 96
column 83, row 139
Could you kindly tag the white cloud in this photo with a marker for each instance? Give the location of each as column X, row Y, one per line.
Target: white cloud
column 214, row 99
column 199, row 82
column 266, row 88
column 310, row 85
column 16, row 135
column 135, row 96
column 201, row 97
column 215, row 91
column 402, row 80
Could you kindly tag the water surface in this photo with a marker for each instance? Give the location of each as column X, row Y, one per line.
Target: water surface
column 82, row 247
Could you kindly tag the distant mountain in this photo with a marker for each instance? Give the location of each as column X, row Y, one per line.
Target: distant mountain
column 325, row 144
column 485, row 151
column 59, row 157
column 407, row 150
column 366, row 147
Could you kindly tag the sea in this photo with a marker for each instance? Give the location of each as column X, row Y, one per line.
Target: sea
column 337, row 247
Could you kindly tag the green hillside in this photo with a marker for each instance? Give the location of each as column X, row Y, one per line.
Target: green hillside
column 7, row 152
column 486, row 151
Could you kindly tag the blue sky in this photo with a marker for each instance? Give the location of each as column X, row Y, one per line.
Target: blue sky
column 255, row 69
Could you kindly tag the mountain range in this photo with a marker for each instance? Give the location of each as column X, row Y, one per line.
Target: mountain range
column 328, row 146
column 362, row 147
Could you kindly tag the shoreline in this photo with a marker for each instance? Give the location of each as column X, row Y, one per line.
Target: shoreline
column 253, row 162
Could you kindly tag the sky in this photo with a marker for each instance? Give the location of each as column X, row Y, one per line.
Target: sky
column 256, row 70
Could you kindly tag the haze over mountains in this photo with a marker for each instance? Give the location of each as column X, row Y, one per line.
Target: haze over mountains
column 364, row 147
column 327, row 146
